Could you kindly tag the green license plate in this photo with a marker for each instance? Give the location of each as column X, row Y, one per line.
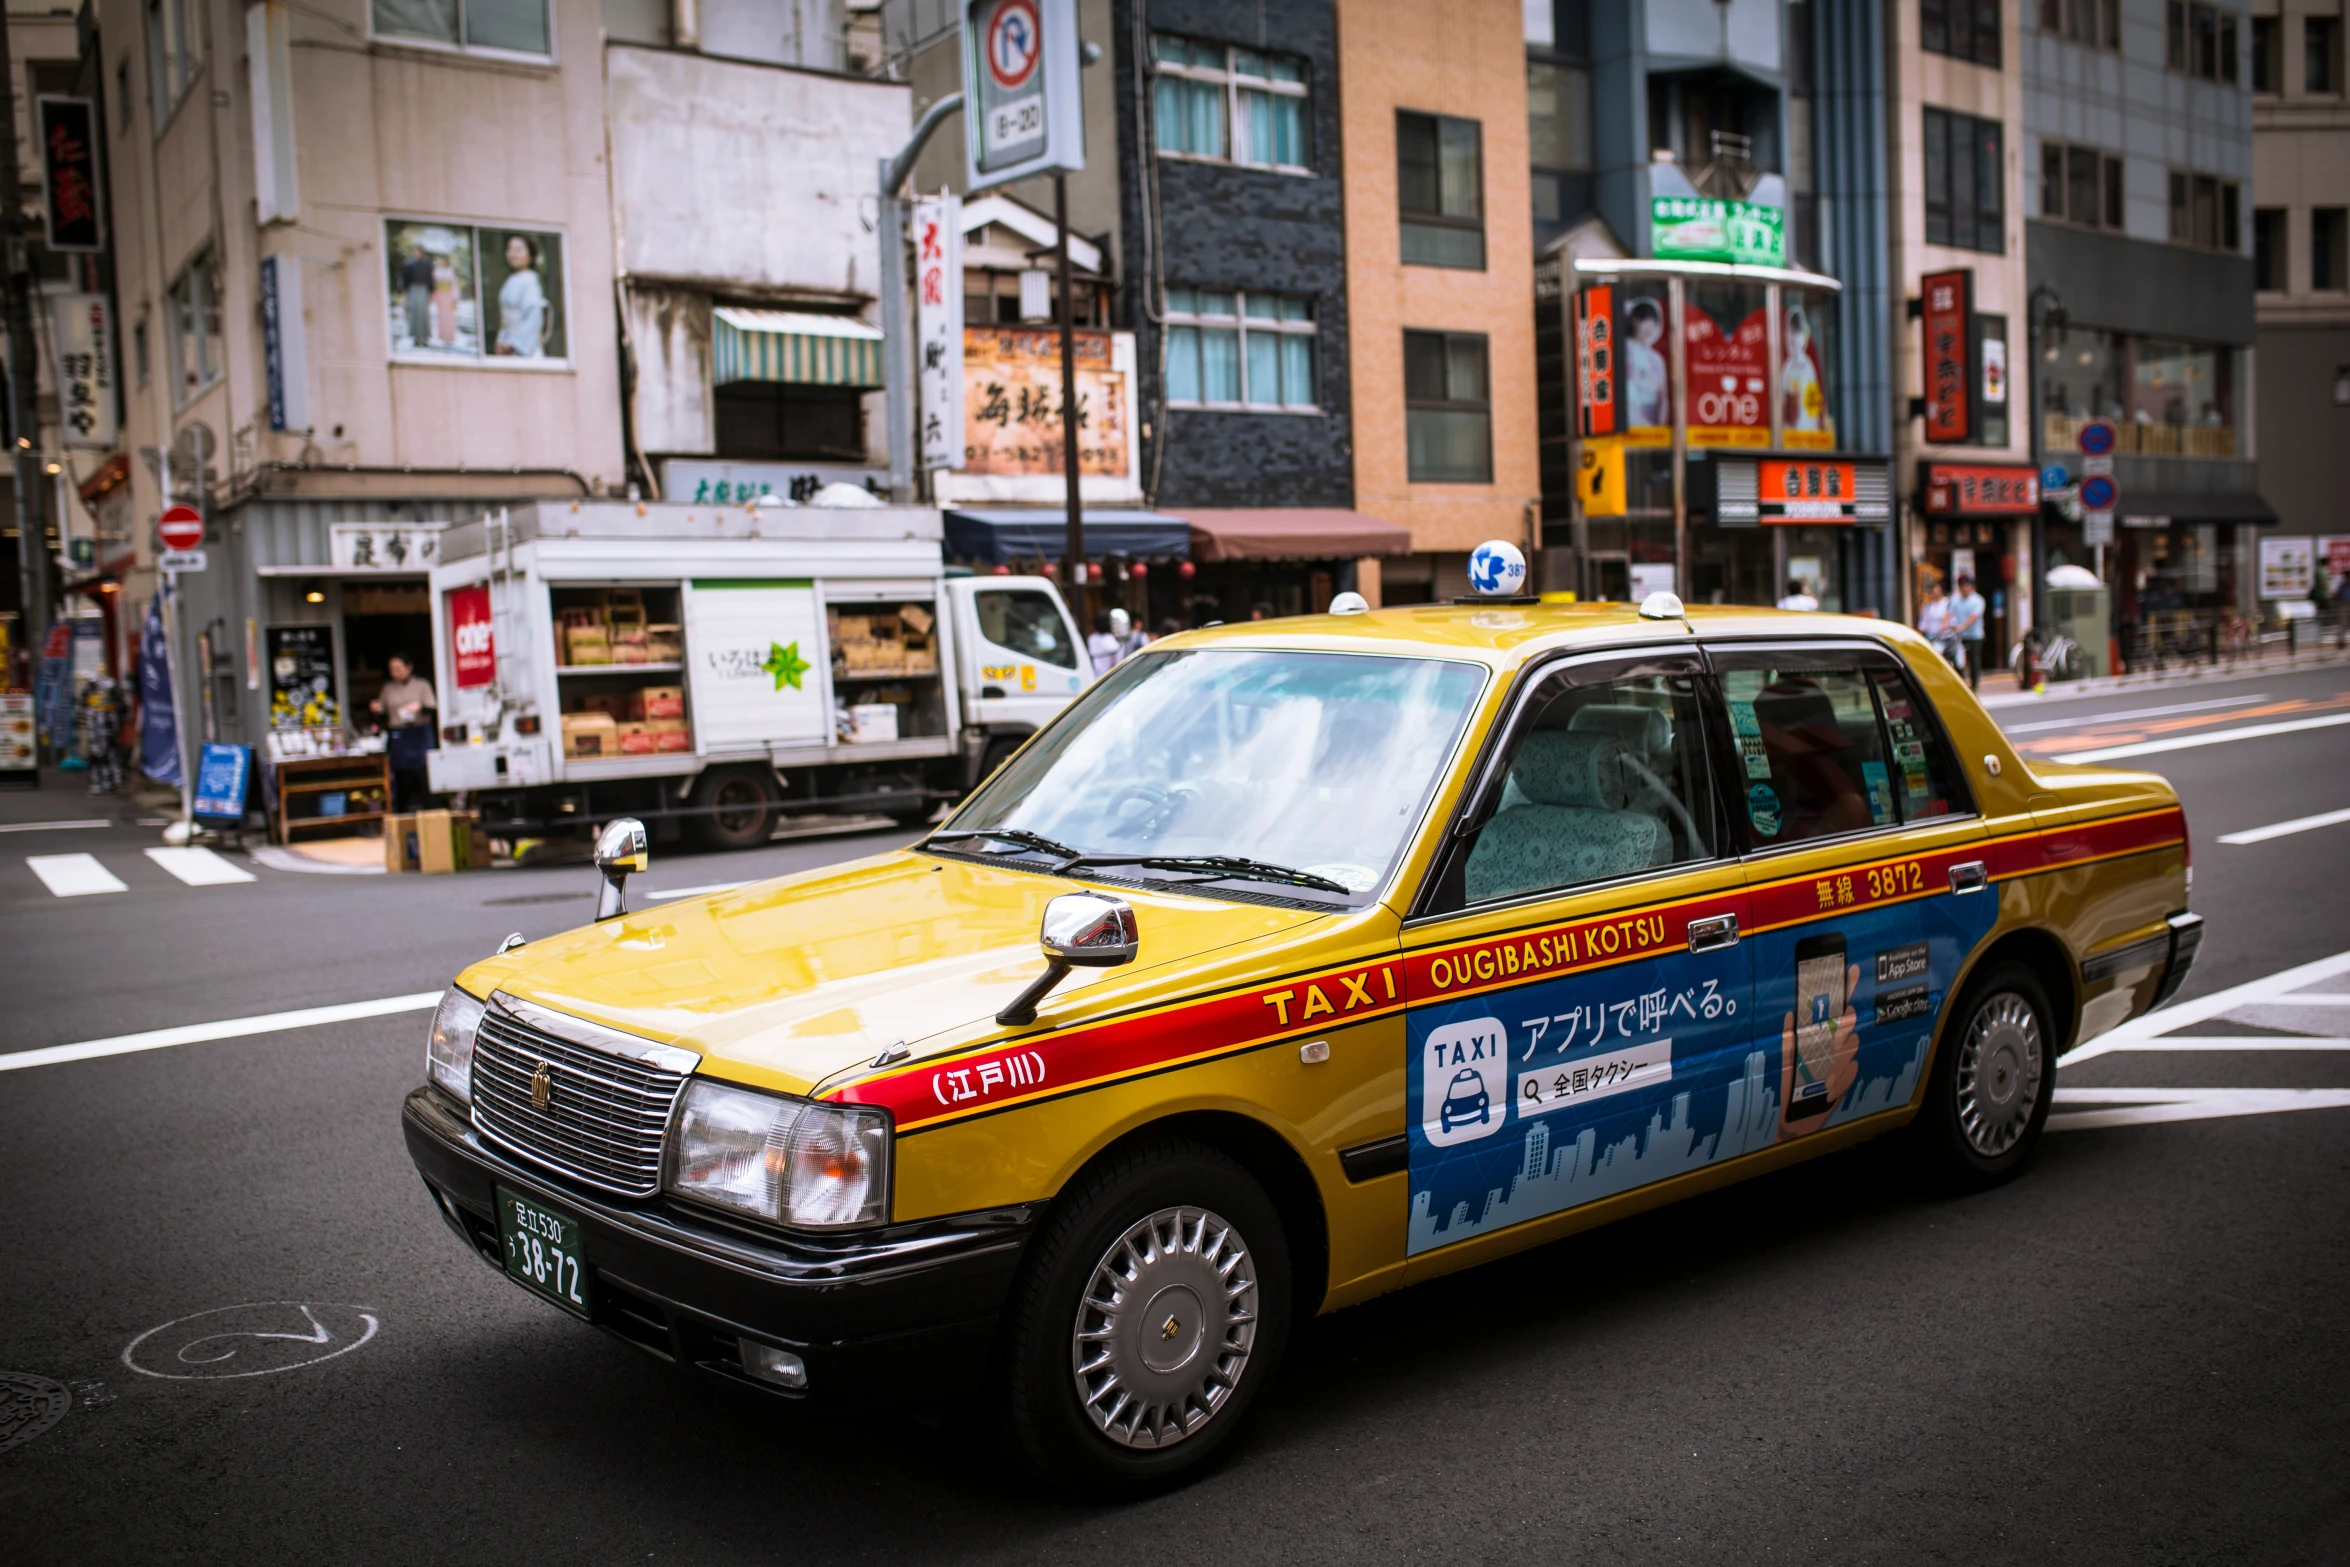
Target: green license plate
column 542, row 1251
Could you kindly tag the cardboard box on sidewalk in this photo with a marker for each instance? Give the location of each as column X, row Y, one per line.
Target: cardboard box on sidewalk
column 435, row 843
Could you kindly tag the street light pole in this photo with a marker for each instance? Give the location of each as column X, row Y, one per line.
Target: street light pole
column 2043, row 313
column 1074, row 551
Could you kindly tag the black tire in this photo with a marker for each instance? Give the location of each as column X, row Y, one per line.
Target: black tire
column 1218, row 1210
column 1994, row 1078
column 746, row 816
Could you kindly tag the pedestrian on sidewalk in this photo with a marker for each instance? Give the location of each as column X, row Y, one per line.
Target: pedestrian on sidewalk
column 1966, row 620
column 410, row 716
column 1797, row 598
column 1934, row 623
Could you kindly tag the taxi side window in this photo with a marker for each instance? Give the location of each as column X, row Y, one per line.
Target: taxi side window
column 1604, row 780
column 1927, row 779
column 1027, row 622
column 1811, row 753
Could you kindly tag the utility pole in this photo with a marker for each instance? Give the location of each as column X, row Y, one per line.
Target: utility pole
column 23, row 377
column 1074, row 552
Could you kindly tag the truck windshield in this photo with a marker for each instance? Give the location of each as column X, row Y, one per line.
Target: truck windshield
column 1183, row 765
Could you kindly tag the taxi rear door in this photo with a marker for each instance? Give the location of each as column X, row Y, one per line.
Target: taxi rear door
column 1577, row 987
column 1864, row 866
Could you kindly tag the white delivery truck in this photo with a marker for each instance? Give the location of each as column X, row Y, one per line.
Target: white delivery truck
column 707, row 668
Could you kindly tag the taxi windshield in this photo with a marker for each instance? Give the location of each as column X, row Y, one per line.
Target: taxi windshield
column 1298, row 771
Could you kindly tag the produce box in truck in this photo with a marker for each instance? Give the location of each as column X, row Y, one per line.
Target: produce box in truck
column 707, row 669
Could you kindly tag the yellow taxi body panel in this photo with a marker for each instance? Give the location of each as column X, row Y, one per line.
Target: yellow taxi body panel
column 878, row 981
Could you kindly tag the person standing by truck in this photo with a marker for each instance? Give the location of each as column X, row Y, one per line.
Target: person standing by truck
column 407, row 706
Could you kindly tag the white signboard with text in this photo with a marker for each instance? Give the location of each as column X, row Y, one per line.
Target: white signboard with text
column 752, row 654
column 938, row 327
column 82, row 330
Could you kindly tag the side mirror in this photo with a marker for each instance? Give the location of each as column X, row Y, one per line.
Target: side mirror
column 620, row 849
column 1081, row 930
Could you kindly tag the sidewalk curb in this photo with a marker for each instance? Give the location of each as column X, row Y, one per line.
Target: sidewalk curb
column 2199, row 674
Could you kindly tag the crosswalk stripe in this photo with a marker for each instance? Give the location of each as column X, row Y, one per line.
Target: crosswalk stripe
column 2148, row 1106
column 74, row 875
column 199, row 867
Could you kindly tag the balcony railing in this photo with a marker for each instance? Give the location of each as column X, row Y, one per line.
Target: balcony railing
column 2061, row 433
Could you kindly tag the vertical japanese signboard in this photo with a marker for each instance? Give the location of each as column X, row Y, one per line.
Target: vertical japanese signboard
column 938, row 327
column 1949, row 358
column 1022, row 112
column 284, row 354
column 82, row 331
column 1595, row 359
column 69, row 167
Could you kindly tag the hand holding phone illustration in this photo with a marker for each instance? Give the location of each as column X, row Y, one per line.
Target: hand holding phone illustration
column 1819, row 1042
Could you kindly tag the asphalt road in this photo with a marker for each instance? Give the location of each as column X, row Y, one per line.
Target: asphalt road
column 2134, row 1353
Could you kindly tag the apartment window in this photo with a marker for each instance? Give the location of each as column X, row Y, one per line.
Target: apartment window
column 1231, row 105
column 1963, row 29
column 2264, row 54
column 1448, row 408
column 196, row 351
column 1558, row 139
column 2199, row 41
column 175, row 52
column 460, row 293
column 1964, row 207
column 2203, row 211
column 1440, row 190
column 499, row 26
column 2096, row 24
column 2268, row 250
column 2321, row 54
column 2329, row 248
column 1227, row 349
column 2080, row 185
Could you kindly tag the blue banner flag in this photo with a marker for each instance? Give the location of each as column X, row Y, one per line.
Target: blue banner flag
column 159, row 738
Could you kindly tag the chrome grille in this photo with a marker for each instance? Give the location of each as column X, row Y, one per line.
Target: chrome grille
column 608, row 1101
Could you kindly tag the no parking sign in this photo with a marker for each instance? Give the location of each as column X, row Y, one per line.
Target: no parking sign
column 1021, row 110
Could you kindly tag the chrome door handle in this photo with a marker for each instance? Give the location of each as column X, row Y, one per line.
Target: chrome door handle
column 1713, row 933
column 1970, row 877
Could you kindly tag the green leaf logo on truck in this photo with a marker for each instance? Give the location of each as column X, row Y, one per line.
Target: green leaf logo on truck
column 786, row 665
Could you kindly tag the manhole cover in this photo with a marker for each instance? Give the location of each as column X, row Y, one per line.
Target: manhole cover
column 29, row 1405
column 519, row 900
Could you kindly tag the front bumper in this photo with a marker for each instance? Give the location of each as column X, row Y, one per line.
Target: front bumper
column 904, row 1313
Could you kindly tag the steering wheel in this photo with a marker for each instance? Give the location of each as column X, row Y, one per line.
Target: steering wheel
column 1157, row 804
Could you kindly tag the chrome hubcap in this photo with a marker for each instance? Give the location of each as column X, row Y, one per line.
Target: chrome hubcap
column 1165, row 1327
column 1999, row 1069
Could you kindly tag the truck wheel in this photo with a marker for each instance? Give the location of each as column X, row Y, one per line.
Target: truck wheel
column 1152, row 1310
column 745, row 809
column 1993, row 1081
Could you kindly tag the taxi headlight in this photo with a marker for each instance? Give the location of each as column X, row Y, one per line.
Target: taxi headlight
column 786, row 1161
column 448, row 1053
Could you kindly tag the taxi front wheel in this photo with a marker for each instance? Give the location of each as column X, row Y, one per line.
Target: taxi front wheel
column 1994, row 1078
column 1147, row 1320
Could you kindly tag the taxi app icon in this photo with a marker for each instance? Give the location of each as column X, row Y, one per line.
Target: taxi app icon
column 1464, row 1081
column 1466, row 1101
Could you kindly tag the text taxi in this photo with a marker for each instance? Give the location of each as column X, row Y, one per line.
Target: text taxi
column 1374, row 946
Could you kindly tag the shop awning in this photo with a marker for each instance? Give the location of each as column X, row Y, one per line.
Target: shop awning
column 997, row 534
column 1293, row 533
column 2244, row 506
column 795, row 347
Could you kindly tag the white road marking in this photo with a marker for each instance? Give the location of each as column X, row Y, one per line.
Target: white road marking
column 199, row 867
column 2151, row 1105
column 74, row 875
column 695, row 892
column 226, row 1028
column 2135, row 712
column 2115, row 753
column 2228, row 1042
column 2285, row 829
column 50, row 826
column 2276, row 987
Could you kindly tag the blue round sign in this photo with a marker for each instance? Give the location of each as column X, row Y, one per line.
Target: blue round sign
column 2055, row 476
column 1497, row 568
column 2098, row 437
column 2099, row 492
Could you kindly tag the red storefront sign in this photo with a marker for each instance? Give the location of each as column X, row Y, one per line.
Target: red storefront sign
column 1959, row 489
column 1949, row 316
column 1729, row 402
column 1789, row 490
column 1595, row 359
column 473, row 647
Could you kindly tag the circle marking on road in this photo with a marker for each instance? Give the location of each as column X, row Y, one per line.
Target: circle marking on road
column 255, row 1339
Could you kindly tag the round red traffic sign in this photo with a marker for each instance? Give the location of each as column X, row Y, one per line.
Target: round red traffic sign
column 182, row 528
column 1012, row 38
column 2098, row 437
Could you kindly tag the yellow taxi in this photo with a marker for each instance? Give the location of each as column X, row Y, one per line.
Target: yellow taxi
column 1296, row 962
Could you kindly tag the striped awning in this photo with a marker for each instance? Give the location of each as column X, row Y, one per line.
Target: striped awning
column 795, row 347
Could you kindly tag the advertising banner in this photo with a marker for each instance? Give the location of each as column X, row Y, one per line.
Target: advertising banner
column 82, row 332
column 1644, row 371
column 302, row 678
column 1012, row 403
column 938, row 327
column 159, row 739
column 69, row 165
column 1806, row 412
column 1710, row 228
column 1728, row 368
column 1949, row 327
column 1595, row 359
column 473, row 642
column 2287, row 568
column 222, row 773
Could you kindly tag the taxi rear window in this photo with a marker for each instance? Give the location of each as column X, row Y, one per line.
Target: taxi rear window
column 1812, row 757
column 1928, row 780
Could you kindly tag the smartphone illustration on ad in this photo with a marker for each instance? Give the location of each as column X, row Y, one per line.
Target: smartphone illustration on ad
column 1819, row 1002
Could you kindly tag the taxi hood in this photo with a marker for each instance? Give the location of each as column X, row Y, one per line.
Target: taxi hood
column 785, row 983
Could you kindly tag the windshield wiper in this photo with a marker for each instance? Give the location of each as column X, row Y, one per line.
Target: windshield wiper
column 1012, row 835
column 1214, row 867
